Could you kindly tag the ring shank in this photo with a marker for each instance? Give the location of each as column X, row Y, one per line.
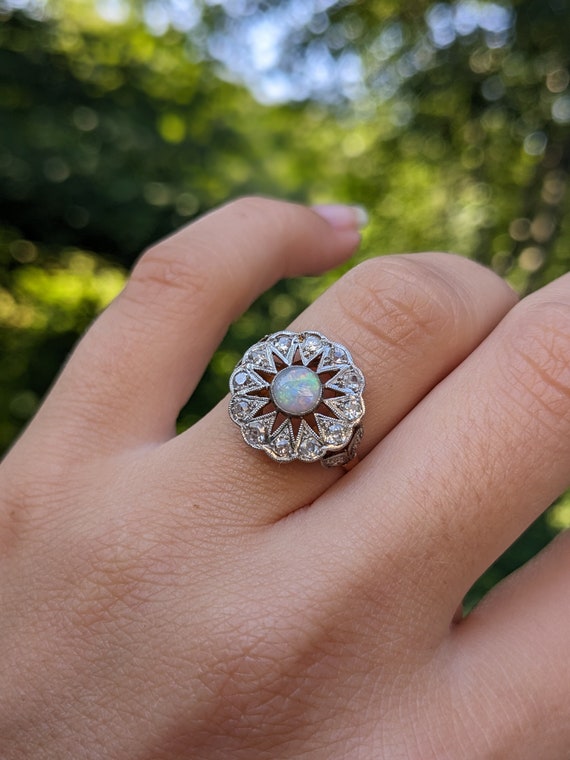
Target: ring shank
column 347, row 457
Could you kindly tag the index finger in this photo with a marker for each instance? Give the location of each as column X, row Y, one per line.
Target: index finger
column 141, row 360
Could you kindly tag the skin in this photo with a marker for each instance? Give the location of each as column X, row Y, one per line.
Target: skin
column 183, row 596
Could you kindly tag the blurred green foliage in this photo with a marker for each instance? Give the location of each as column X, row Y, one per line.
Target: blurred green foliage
column 121, row 121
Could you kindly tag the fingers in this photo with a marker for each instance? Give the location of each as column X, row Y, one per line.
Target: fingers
column 407, row 321
column 141, row 360
column 476, row 461
column 514, row 648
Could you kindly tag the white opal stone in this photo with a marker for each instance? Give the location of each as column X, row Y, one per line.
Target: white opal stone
column 296, row 390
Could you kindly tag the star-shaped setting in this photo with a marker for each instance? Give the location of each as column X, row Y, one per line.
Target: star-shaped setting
column 299, row 396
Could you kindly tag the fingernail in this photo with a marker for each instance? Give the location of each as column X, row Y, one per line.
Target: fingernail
column 343, row 217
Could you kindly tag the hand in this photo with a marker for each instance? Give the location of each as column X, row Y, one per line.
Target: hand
column 183, row 596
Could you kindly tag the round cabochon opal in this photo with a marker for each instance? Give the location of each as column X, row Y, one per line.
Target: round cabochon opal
column 296, row 390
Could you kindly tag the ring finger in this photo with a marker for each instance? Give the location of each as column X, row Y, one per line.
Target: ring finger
column 408, row 321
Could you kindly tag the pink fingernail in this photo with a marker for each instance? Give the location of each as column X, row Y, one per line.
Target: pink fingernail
column 343, row 217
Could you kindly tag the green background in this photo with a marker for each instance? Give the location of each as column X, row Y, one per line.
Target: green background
column 121, row 121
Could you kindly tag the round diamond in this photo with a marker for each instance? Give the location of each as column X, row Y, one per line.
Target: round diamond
column 309, row 448
column 350, row 407
column 336, row 433
column 255, row 434
column 258, row 358
column 282, row 344
column 349, row 380
column 338, row 355
column 296, row 390
column 334, row 356
column 240, row 408
column 282, row 445
column 243, row 407
column 310, row 345
column 333, row 431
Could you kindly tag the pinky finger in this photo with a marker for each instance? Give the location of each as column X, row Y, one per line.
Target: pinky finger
column 514, row 662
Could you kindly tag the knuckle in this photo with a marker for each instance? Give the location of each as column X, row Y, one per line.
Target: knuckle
column 402, row 302
column 270, row 219
column 251, row 205
column 254, row 207
column 170, row 277
column 184, row 272
column 253, row 211
column 539, row 357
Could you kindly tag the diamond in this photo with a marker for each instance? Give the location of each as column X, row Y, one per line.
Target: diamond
column 282, row 442
column 333, row 431
column 240, row 408
column 282, row 344
column 334, row 356
column 256, row 436
column 245, row 380
column 309, row 448
column 243, row 407
column 310, row 345
column 257, row 432
column 338, row 355
column 260, row 358
column 349, row 407
column 349, row 380
column 282, row 445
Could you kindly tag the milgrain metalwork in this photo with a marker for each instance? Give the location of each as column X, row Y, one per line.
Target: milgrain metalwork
column 266, row 411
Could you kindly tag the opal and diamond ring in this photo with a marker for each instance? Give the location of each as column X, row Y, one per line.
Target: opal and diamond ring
column 298, row 396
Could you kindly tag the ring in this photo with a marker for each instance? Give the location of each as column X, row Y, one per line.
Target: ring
column 298, row 396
